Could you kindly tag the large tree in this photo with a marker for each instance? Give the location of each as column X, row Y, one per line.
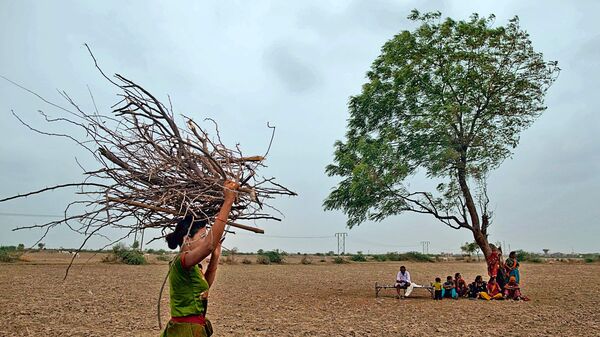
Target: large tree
column 448, row 99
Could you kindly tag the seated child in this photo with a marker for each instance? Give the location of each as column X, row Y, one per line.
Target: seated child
column 477, row 287
column 448, row 289
column 511, row 289
column 437, row 289
column 493, row 291
column 461, row 285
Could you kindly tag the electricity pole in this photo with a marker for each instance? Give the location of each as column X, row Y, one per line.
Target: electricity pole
column 425, row 247
column 341, row 238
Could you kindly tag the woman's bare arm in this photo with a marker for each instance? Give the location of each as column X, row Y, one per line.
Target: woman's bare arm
column 208, row 244
column 211, row 269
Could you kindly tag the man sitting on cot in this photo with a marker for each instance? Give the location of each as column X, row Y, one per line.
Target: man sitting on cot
column 403, row 282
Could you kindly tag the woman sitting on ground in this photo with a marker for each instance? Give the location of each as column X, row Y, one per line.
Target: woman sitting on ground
column 188, row 285
column 461, row 286
column 477, row 287
column 512, row 290
column 493, row 291
column 449, row 289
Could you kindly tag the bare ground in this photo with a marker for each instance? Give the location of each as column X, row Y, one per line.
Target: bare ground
column 292, row 300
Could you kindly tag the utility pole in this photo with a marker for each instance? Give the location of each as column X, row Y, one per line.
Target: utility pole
column 341, row 238
column 425, row 247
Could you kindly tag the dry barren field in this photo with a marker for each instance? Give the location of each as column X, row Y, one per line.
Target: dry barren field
column 292, row 300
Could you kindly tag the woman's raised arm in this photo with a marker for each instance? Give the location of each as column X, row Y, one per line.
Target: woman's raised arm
column 208, row 244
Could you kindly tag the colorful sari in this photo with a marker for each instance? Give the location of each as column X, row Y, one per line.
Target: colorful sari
column 512, row 290
column 512, row 268
column 493, row 292
column 493, row 262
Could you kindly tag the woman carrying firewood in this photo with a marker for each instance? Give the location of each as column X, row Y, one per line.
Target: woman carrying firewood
column 188, row 285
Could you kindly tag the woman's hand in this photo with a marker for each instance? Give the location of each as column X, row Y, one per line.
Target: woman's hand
column 230, row 190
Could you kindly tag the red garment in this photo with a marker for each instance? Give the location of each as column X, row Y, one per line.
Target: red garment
column 493, row 289
column 197, row 319
column 493, row 264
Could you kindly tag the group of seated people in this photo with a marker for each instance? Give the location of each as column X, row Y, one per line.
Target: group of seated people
column 503, row 282
column 457, row 287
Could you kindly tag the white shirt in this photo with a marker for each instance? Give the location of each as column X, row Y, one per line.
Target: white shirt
column 403, row 277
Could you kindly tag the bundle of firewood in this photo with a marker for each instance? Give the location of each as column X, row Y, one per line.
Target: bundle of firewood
column 153, row 172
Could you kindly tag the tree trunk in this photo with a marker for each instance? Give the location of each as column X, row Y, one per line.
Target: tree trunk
column 482, row 242
column 478, row 228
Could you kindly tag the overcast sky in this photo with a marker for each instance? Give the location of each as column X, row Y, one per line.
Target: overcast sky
column 293, row 64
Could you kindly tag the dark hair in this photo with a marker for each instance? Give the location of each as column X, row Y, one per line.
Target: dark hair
column 175, row 238
column 449, row 277
column 456, row 275
column 402, row 267
column 513, row 253
column 437, row 279
column 479, row 278
column 493, row 278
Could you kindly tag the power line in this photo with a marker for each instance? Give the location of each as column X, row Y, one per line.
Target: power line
column 31, row 215
column 285, row 237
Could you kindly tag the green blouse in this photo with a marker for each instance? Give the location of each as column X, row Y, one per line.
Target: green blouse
column 188, row 289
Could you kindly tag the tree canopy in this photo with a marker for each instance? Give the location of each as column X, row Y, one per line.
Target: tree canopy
column 448, row 99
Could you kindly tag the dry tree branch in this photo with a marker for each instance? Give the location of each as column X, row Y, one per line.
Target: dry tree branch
column 152, row 170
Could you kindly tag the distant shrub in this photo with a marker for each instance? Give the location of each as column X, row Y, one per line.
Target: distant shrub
column 392, row 256
column 263, row 259
column 9, row 254
column 410, row 256
column 339, row 260
column 379, row 257
column 150, row 251
column 319, row 254
column 246, row 261
column 274, row 256
column 359, row 257
column 524, row 256
column 416, row 256
column 306, row 260
column 122, row 254
column 322, row 260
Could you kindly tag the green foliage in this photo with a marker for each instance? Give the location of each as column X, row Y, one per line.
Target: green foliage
column 358, row 257
column 21, row 246
column 339, row 260
column 410, row 256
column 306, row 260
column 41, row 245
column 380, row 257
column 273, row 256
column 524, row 256
column 135, row 245
column 122, row 254
column 449, row 100
column 9, row 254
column 246, row 261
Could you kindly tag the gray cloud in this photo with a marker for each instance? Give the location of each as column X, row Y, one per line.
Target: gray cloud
column 296, row 74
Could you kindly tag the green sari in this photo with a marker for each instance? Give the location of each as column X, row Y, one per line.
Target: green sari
column 188, row 296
